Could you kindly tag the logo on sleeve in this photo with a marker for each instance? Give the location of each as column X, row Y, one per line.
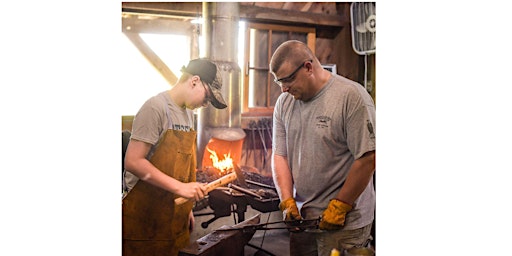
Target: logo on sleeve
column 323, row 121
column 370, row 129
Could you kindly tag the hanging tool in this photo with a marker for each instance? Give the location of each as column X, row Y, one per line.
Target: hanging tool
column 268, row 126
column 252, row 126
column 262, row 138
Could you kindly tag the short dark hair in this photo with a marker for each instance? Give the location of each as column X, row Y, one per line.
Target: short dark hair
column 292, row 51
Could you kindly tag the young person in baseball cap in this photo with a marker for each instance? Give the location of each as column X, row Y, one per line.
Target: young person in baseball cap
column 208, row 72
column 160, row 163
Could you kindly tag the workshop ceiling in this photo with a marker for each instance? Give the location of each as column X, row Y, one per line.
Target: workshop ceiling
column 321, row 15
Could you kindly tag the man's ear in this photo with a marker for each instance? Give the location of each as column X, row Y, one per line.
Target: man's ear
column 308, row 65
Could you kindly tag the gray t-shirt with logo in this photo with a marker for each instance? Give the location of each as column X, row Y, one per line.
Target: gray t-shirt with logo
column 158, row 114
column 321, row 139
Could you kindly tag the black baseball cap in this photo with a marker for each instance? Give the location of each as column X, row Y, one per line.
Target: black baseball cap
column 209, row 74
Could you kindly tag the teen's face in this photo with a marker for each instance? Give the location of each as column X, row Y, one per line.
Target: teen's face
column 199, row 95
column 207, row 95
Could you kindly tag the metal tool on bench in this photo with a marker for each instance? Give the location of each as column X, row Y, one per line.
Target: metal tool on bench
column 288, row 224
column 245, row 191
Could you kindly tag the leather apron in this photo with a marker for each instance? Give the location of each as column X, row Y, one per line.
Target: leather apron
column 152, row 223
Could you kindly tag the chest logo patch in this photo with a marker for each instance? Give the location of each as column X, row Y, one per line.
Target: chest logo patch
column 180, row 127
column 323, row 122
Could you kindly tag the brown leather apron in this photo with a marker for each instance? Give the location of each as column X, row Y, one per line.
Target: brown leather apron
column 152, row 223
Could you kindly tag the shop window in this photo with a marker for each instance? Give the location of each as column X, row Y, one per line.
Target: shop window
column 261, row 40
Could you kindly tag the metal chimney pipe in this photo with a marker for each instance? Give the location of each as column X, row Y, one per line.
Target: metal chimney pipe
column 221, row 36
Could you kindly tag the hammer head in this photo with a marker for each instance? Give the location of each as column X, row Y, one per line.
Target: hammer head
column 240, row 176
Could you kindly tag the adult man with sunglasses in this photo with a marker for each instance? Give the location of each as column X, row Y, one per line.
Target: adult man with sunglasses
column 323, row 152
column 160, row 164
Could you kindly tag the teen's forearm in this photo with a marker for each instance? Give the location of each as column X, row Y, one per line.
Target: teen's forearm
column 147, row 172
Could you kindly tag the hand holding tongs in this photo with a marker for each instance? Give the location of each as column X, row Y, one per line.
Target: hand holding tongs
column 292, row 225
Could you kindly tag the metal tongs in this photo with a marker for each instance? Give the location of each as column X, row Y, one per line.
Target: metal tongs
column 292, row 225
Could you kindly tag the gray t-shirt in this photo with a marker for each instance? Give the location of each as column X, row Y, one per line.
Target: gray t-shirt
column 156, row 115
column 321, row 139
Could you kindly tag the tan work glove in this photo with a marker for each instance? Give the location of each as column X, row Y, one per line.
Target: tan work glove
column 289, row 209
column 290, row 212
column 333, row 217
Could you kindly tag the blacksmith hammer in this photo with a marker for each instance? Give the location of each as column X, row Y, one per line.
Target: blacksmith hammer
column 240, row 176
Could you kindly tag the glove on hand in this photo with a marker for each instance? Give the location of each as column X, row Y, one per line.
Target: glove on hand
column 290, row 212
column 333, row 217
column 289, row 209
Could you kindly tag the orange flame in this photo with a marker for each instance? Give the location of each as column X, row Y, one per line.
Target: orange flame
column 223, row 165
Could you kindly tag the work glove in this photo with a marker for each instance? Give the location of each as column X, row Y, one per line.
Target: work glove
column 290, row 213
column 333, row 217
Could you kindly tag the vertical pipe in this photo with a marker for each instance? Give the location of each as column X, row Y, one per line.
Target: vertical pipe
column 194, row 42
column 220, row 30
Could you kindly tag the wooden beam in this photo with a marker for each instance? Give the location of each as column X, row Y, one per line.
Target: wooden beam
column 183, row 9
column 152, row 57
column 141, row 23
column 270, row 15
column 248, row 12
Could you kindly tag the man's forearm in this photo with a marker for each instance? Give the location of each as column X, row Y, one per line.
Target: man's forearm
column 282, row 177
column 358, row 177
